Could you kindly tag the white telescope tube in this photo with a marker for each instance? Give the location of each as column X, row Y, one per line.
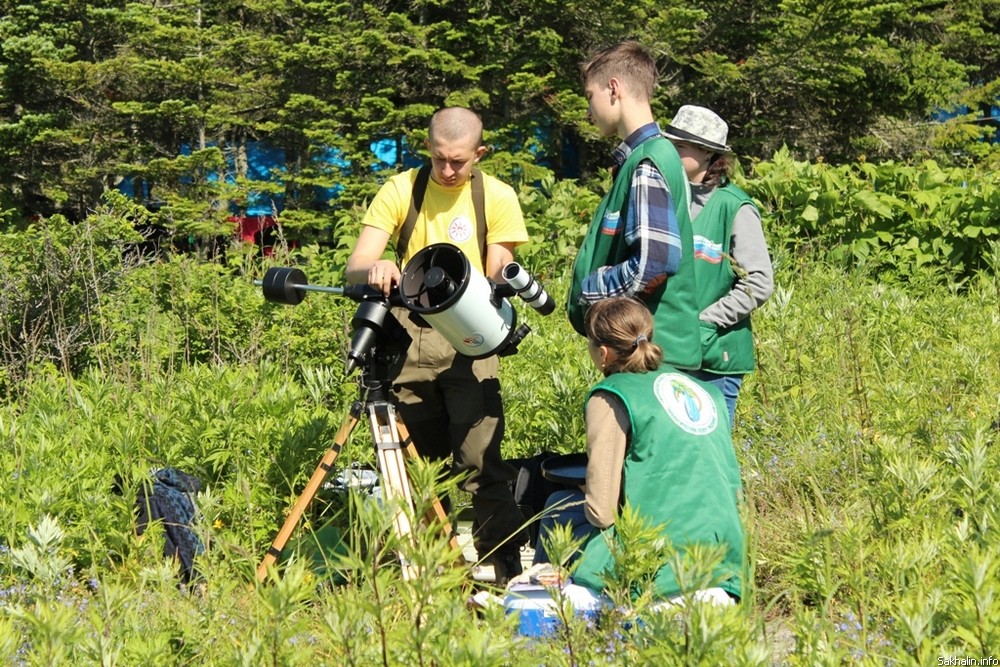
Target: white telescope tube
column 441, row 286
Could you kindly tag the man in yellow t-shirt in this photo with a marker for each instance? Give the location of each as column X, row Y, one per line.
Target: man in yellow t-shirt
column 450, row 403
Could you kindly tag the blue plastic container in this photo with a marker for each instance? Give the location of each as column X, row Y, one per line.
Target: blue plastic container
column 537, row 613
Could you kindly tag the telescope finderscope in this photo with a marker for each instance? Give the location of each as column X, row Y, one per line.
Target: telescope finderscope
column 529, row 289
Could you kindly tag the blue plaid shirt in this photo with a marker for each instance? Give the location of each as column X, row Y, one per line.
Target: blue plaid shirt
column 651, row 231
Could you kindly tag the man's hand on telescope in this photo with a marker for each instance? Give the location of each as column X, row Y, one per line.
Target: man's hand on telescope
column 366, row 264
column 384, row 276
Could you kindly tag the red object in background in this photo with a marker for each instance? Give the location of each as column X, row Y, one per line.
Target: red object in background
column 251, row 227
column 257, row 229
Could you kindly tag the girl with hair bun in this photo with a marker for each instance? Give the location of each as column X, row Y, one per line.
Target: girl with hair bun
column 620, row 337
column 659, row 441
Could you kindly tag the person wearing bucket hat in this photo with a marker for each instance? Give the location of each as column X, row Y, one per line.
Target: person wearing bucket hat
column 732, row 265
column 701, row 127
column 639, row 242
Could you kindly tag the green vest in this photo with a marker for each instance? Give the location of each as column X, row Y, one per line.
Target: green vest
column 726, row 351
column 674, row 302
column 680, row 473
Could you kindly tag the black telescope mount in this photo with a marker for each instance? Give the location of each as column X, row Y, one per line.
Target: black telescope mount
column 378, row 342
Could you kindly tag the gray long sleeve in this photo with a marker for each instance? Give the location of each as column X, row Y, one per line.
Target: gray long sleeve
column 755, row 280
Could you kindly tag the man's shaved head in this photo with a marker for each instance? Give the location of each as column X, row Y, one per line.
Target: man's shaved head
column 455, row 124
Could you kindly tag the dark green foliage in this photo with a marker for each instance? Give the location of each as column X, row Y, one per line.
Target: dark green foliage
column 172, row 96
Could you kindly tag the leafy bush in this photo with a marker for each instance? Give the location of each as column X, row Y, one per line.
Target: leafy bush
column 54, row 274
column 903, row 221
column 557, row 214
column 545, row 383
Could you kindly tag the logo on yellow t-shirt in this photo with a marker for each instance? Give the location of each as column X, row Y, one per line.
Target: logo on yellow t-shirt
column 460, row 229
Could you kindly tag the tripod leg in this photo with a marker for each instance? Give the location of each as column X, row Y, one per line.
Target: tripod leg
column 436, row 511
column 322, row 470
column 395, row 483
column 398, row 490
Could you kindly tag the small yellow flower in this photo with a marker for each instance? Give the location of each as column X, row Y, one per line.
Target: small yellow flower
column 218, row 524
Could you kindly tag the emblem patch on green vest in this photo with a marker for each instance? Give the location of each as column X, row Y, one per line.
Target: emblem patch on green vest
column 609, row 225
column 707, row 250
column 687, row 403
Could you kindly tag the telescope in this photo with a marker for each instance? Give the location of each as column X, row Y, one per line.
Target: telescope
column 468, row 310
column 472, row 313
column 441, row 287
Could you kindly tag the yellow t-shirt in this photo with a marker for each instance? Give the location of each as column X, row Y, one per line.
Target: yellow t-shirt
column 447, row 215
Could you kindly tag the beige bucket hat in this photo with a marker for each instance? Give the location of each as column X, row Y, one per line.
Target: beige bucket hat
column 701, row 127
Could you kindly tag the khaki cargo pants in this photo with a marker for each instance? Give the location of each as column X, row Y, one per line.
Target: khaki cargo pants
column 452, row 406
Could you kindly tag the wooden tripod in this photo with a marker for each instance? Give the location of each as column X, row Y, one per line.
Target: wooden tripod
column 393, row 446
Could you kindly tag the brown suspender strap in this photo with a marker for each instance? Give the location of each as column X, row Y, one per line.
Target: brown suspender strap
column 417, row 200
column 479, row 205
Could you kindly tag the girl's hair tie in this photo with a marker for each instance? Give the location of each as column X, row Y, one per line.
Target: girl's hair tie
column 638, row 339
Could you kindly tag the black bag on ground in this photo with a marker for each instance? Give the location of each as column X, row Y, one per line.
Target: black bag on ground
column 531, row 489
column 167, row 498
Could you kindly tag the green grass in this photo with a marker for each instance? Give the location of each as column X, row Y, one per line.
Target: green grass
column 867, row 438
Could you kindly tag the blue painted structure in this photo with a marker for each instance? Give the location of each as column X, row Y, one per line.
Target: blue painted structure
column 989, row 117
column 266, row 163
